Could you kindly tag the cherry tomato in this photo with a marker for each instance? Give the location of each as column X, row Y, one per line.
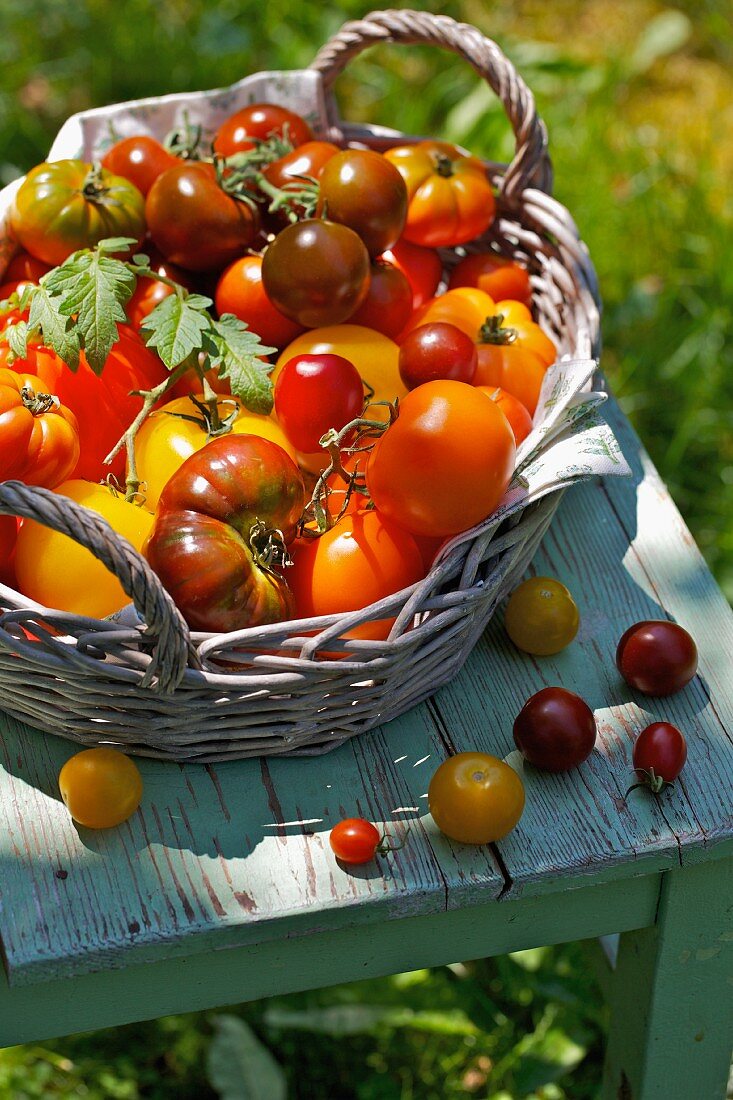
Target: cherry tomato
column 316, row 272
column 541, row 616
column 314, row 393
column 388, row 304
column 422, row 266
column 475, row 798
column 660, row 752
column 8, row 536
column 555, row 730
column 139, row 159
column 516, row 413
column 297, row 169
column 434, row 351
column 354, row 840
column 240, row 291
column 194, row 222
column 499, row 277
column 450, row 195
column 656, row 657
column 259, row 121
column 445, row 463
column 100, row 787
column 56, row 571
column 39, row 437
column 65, row 205
column 361, row 189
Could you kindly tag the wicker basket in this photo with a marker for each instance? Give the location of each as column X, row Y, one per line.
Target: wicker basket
column 156, row 690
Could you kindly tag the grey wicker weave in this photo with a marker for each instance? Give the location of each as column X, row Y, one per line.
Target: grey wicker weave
column 152, row 688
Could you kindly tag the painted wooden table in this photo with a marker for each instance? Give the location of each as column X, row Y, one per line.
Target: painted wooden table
column 223, row 887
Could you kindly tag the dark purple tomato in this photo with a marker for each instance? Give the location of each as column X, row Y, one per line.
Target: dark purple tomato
column 656, row 657
column 437, row 350
column 361, row 189
column 555, row 730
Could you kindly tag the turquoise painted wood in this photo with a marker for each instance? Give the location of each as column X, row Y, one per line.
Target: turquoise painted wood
column 223, row 886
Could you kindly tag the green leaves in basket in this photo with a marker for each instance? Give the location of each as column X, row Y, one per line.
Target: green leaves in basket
column 176, row 327
column 236, row 358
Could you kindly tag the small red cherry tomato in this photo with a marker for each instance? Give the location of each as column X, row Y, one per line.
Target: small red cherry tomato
column 437, row 350
column 659, row 756
column 259, row 121
column 314, row 393
column 139, row 159
column 657, row 657
column 555, row 730
column 354, row 840
column 388, row 304
column 422, row 266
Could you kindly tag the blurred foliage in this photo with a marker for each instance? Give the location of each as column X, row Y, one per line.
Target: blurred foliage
column 638, row 99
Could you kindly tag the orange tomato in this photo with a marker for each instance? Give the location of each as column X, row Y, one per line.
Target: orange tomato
column 497, row 276
column 39, row 438
column 240, row 291
column 100, row 787
column 516, row 413
column 475, row 798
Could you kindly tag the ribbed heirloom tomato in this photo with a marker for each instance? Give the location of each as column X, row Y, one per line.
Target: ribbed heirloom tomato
column 39, row 438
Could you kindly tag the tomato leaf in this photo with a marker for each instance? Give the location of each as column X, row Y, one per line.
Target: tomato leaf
column 175, row 328
column 94, row 288
column 58, row 331
column 236, row 358
column 17, row 337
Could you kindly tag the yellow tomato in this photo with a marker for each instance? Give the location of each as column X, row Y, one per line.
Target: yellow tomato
column 100, row 787
column 375, row 356
column 57, row 572
column 475, row 798
column 541, row 617
column 166, row 439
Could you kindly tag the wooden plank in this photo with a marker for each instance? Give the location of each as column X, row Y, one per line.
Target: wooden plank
column 114, row 997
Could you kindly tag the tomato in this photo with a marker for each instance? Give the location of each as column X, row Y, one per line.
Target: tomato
column 388, row 304
column 516, row 413
column 363, row 558
column 65, row 205
column 541, row 616
column 56, row 571
column 445, row 463
column 656, row 657
column 497, row 276
column 316, row 272
column 240, row 291
column 555, row 730
column 25, row 268
column 437, row 350
column 660, row 752
column 100, row 787
column 354, row 840
column 314, row 393
column 361, row 189
column 178, row 429
column 194, row 222
column 422, row 266
column 450, row 196
column 139, row 159
column 39, row 438
column 8, row 536
column 296, row 170
column 475, row 798
column 213, row 527
column 467, row 308
column 259, row 121
column 374, row 355
column 149, row 292
column 104, row 405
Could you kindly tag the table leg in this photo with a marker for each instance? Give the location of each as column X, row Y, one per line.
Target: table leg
column 672, row 994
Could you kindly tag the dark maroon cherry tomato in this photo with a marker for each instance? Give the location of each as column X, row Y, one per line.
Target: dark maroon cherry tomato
column 555, row 730
column 361, row 189
column 258, row 122
column 659, row 756
column 388, row 305
column 140, row 159
column 354, row 840
column 314, row 393
column 437, row 350
column 656, row 657
column 316, row 272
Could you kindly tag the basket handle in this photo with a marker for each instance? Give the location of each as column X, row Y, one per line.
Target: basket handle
column 531, row 165
column 164, row 621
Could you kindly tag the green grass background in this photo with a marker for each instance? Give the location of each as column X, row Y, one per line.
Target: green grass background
column 638, row 99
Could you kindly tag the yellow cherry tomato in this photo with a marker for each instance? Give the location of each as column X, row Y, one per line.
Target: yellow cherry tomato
column 374, row 355
column 541, row 616
column 168, row 438
column 100, row 787
column 57, row 572
column 475, row 798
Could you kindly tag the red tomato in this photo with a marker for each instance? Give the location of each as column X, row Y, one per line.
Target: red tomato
column 297, row 169
column 149, row 292
column 422, row 266
column 657, row 657
column 25, row 268
column 361, row 189
column 437, row 351
column 8, row 536
column 555, row 730
column 388, row 304
column 314, row 393
column 516, row 413
column 240, row 291
column 445, row 463
column 242, row 130
column 497, row 276
column 39, row 438
column 139, row 159
column 660, row 752
column 354, row 840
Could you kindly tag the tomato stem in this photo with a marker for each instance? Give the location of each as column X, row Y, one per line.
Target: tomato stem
column 38, row 403
column 653, row 782
column 444, row 166
column 493, row 332
column 383, row 847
